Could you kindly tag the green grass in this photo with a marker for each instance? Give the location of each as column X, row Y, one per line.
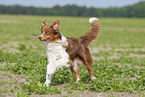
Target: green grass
column 29, row 55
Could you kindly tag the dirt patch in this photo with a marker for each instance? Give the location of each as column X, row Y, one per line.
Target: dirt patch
column 4, row 63
column 143, row 67
column 14, row 50
column 7, row 95
column 7, row 79
column 111, row 57
column 97, row 49
column 10, row 47
column 2, row 77
column 115, row 56
column 135, row 49
column 119, row 65
column 137, row 55
column 139, row 49
column 120, row 49
column 9, row 76
column 91, row 94
column 10, row 21
column 97, row 58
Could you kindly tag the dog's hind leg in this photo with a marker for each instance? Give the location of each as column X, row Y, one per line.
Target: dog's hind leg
column 75, row 70
column 88, row 61
column 89, row 67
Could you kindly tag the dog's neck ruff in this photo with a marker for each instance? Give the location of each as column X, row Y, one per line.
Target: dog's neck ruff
column 56, row 55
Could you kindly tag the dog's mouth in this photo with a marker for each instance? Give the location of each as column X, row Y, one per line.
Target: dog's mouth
column 44, row 39
column 41, row 38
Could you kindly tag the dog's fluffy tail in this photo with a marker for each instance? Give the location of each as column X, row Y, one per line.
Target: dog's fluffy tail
column 93, row 33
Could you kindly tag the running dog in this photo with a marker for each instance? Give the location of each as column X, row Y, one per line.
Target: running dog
column 68, row 52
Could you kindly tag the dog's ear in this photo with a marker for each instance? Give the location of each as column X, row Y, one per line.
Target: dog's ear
column 56, row 25
column 43, row 22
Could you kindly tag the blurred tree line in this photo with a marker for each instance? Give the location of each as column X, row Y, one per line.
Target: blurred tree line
column 136, row 10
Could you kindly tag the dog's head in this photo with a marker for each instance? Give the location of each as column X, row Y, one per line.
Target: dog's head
column 50, row 32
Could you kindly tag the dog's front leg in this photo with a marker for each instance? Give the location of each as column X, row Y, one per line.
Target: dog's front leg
column 48, row 80
column 49, row 74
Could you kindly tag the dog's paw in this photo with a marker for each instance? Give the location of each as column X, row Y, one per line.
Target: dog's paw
column 46, row 84
column 77, row 80
column 93, row 78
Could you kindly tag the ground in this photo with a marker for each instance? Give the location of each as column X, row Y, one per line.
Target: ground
column 18, row 79
column 7, row 76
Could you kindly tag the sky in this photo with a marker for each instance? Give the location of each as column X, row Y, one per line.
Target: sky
column 87, row 3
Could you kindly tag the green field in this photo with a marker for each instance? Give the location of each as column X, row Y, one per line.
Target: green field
column 119, row 57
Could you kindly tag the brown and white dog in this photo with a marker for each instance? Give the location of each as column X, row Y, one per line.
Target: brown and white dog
column 68, row 52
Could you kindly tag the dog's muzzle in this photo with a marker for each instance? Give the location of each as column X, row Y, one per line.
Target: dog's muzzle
column 41, row 38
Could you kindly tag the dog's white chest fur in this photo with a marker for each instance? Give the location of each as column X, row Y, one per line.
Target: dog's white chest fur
column 57, row 56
